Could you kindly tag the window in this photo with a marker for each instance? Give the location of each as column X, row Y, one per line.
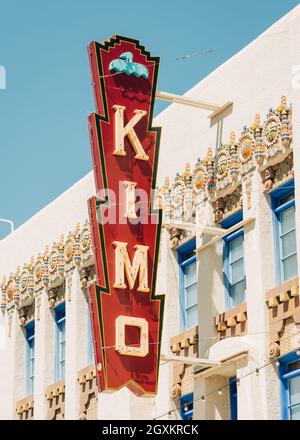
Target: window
column 60, row 320
column 29, row 375
column 188, row 285
column 233, row 264
column 90, row 349
column 233, row 398
column 186, row 406
column 283, row 204
column 290, row 386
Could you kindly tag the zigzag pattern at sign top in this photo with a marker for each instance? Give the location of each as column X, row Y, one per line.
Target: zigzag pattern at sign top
column 261, row 145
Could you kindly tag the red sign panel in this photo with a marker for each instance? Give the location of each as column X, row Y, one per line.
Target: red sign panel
column 126, row 314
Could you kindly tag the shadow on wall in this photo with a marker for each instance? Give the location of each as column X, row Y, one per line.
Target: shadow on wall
column 218, row 121
column 210, row 275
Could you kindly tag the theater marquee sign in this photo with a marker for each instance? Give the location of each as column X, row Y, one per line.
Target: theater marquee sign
column 126, row 313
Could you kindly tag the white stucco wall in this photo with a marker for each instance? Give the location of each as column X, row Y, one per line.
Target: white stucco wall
column 46, row 226
column 254, row 79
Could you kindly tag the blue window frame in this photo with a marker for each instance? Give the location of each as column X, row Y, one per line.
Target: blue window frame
column 233, row 264
column 60, row 320
column 233, row 398
column 283, row 205
column 290, row 386
column 188, row 295
column 29, row 373
column 186, row 406
column 90, row 349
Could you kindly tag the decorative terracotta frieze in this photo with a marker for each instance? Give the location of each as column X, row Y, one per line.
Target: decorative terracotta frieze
column 228, row 205
column 218, row 177
column 25, row 408
column 184, row 344
column 233, row 322
column 88, row 393
column 55, row 401
column 284, row 318
column 278, row 174
column 51, row 272
column 87, row 276
column 56, row 295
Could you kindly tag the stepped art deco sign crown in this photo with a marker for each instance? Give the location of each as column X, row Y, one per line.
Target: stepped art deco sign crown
column 126, row 314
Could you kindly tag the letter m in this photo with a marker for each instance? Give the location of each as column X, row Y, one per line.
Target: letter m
column 123, row 266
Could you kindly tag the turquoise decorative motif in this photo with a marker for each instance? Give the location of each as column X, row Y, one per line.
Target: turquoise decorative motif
column 126, row 65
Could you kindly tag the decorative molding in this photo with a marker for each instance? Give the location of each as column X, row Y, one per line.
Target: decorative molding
column 87, row 276
column 228, row 205
column 50, row 272
column 126, row 64
column 266, row 146
column 55, row 401
column 278, row 174
column 88, row 393
column 184, row 344
column 178, row 201
column 56, row 295
column 248, row 188
column 178, row 237
column 200, row 176
column 284, row 318
column 25, row 409
column 233, row 322
column 246, row 149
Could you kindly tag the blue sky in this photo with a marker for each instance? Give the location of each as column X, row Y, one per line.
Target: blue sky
column 43, row 112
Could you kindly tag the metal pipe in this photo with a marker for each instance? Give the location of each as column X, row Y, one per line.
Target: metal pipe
column 165, row 96
column 225, row 232
column 190, row 360
column 186, row 226
column 12, row 227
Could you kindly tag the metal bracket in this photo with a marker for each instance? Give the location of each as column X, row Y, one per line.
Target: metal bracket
column 185, row 100
column 225, row 232
column 206, row 363
column 192, row 227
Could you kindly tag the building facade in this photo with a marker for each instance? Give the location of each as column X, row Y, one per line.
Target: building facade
column 228, row 263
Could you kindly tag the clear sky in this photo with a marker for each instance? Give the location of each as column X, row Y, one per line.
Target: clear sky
column 43, row 111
